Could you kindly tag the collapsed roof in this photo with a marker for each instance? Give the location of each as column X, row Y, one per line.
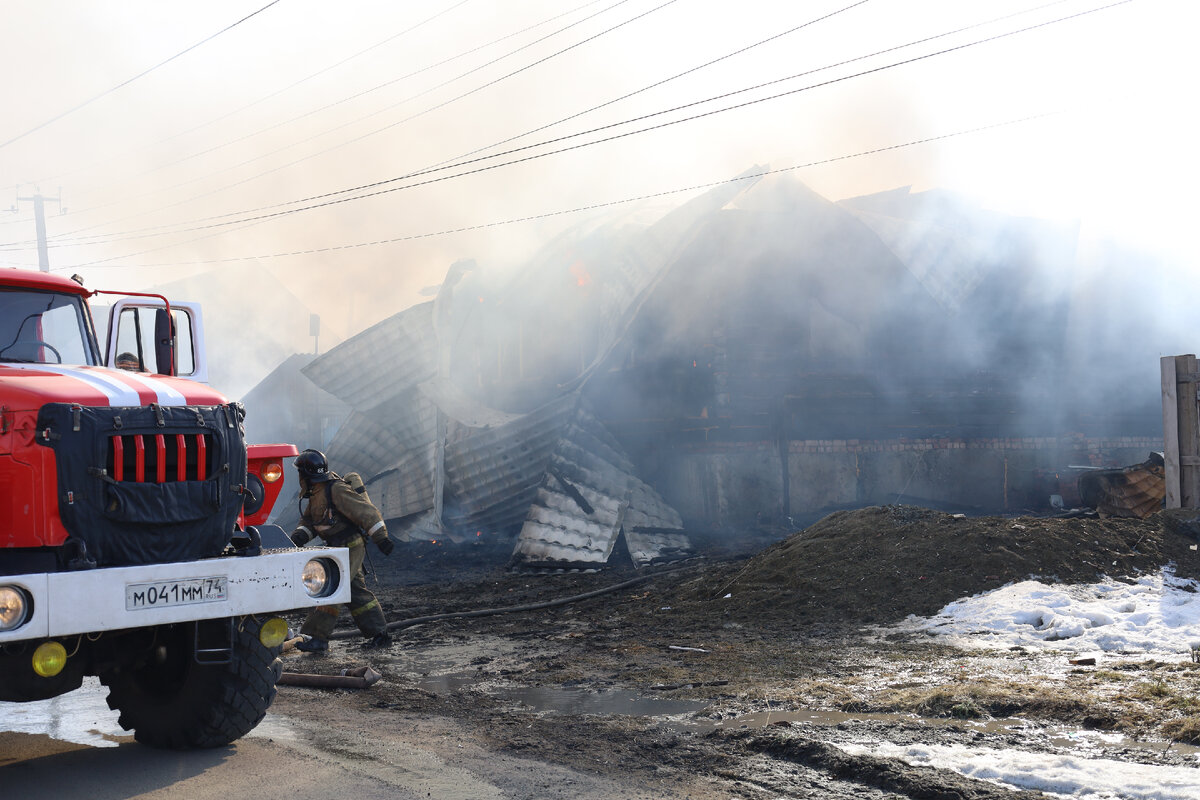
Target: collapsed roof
column 528, row 405
column 440, row 462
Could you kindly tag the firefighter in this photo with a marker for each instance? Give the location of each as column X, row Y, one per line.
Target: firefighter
column 343, row 517
column 129, row 361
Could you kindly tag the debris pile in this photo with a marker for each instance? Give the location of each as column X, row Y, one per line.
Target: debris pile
column 883, row 563
column 440, row 464
column 1135, row 491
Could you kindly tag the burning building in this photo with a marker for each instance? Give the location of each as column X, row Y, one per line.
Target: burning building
column 757, row 354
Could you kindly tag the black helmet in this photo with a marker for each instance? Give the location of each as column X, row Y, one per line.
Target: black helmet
column 312, row 466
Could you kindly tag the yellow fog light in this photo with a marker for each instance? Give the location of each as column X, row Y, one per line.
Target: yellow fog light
column 273, row 632
column 272, row 472
column 315, row 577
column 49, row 659
column 14, row 608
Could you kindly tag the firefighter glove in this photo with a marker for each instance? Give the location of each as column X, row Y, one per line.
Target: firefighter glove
column 386, row 545
column 300, row 537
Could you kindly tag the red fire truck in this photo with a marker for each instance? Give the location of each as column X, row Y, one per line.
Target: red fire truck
column 133, row 537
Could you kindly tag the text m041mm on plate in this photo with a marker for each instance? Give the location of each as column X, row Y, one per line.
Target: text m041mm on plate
column 162, row 594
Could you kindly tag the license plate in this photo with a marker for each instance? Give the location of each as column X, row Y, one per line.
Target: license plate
column 163, row 594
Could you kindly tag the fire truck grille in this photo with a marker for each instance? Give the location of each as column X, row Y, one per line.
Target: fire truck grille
column 160, row 458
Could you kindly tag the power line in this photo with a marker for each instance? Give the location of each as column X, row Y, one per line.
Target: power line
column 421, row 113
column 309, row 113
column 562, row 212
column 135, row 77
column 443, row 104
column 437, row 168
column 455, row 163
column 263, row 99
column 148, row 232
column 647, row 88
column 385, row 84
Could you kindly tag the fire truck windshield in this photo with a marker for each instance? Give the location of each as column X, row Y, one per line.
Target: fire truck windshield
column 38, row 327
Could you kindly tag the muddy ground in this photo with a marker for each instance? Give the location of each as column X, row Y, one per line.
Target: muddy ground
column 737, row 674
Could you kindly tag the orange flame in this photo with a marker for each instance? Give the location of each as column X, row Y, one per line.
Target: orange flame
column 582, row 276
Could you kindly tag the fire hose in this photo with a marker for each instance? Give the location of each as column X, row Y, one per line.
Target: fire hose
column 488, row 612
column 358, row 678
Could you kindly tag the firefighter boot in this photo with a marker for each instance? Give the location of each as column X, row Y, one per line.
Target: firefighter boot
column 313, row 645
column 378, row 642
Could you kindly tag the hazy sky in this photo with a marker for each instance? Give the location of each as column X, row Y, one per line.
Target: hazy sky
column 154, row 148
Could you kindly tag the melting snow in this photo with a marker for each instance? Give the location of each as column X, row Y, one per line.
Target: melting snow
column 1066, row 776
column 1156, row 615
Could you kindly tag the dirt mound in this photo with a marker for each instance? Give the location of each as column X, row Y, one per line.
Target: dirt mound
column 882, row 563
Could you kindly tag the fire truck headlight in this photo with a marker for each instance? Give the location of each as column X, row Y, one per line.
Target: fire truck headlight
column 320, row 580
column 49, row 659
column 15, row 607
column 272, row 471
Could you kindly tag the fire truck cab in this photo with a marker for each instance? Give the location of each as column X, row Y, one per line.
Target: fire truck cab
column 133, row 537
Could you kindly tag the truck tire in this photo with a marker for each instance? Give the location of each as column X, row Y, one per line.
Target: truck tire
column 179, row 704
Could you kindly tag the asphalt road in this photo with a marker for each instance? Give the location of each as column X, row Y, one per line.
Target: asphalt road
column 36, row 766
column 71, row 747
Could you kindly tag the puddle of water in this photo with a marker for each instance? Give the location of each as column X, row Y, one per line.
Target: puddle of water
column 761, row 719
column 80, row 717
column 618, row 701
column 566, row 700
column 448, row 669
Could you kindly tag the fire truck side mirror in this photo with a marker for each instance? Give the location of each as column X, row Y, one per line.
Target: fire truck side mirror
column 164, row 342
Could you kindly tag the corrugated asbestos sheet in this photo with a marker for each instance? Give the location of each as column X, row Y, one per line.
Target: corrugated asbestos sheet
column 423, row 527
column 394, row 447
column 950, row 266
column 653, row 529
column 382, row 362
column 583, row 502
column 363, row 445
column 411, row 416
column 1135, row 491
column 405, row 493
column 463, row 409
column 492, row 474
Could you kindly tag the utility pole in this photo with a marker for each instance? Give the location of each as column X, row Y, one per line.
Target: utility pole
column 39, row 214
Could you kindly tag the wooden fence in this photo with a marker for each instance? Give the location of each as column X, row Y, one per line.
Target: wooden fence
column 1181, row 431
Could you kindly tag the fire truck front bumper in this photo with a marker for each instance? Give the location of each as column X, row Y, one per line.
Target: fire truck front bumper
column 45, row 605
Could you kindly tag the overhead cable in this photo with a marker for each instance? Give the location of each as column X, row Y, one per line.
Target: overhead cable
column 443, row 104
column 259, row 101
column 148, row 232
column 550, row 214
column 413, row 97
column 141, row 74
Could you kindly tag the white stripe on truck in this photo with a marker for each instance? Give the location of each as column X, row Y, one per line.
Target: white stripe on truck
column 115, row 389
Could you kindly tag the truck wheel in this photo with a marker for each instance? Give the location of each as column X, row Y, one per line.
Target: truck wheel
column 179, row 704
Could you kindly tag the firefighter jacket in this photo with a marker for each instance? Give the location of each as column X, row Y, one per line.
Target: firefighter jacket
column 337, row 512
